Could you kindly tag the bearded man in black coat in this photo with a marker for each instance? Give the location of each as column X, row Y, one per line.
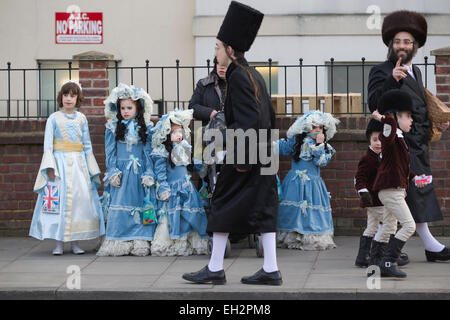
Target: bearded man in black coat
column 404, row 32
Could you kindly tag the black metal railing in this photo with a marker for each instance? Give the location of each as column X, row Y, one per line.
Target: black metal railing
column 16, row 103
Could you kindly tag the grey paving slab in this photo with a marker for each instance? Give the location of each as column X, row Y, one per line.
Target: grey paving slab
column 112, row 282
column 22, row 280
column 340, row 281
column 51, row 266
column 28, row 270
column 123, row 267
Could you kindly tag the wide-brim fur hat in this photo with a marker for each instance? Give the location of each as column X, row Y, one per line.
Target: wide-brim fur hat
column 394, row 101
column 240, row 26
column 373, row 126
column 404, row 20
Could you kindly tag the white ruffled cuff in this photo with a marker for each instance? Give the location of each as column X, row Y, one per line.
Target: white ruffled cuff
column 148, row 181
column 164, row 195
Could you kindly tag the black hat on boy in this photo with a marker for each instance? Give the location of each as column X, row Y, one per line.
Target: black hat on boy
column 394, row 101
column 373, row 126
column 240, row 26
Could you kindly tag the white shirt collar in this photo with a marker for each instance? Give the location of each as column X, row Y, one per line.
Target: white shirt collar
column 399, row 133
column 410, row 70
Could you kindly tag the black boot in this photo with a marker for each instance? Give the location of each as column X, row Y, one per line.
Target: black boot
column 362, row 259
column 444, row 255
column 262, row 277
column 206, row 276
column 388, row 265
column 377, row 251
column 403, row 258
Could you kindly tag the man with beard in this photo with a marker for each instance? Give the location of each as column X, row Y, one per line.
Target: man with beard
column 404, row 32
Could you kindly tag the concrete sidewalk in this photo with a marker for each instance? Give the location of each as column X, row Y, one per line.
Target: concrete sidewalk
column 29, row 271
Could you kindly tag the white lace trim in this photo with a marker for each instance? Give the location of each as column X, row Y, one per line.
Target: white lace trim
column 163, row 127
column 163, row 245
column 305, row 124
column 307, row 242
column 115, row 248
column 122, row 91
column 160, row 151
column 141, row 248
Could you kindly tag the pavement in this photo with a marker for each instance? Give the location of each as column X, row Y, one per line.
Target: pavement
column 29, row 271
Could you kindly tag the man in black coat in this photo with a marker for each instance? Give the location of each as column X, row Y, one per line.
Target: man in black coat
column 245, row 199
column 404, row 32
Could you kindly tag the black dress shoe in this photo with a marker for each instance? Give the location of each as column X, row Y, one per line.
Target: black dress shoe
column 262, row 277
column 206, row 276
column 444, row 255
column 403, row 259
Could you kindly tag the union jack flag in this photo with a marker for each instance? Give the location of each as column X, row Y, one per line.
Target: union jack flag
column 50, row 199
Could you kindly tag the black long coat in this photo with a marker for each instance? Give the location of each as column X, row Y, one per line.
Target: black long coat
column 247, row 202
column 208, row 96
column 422, row 202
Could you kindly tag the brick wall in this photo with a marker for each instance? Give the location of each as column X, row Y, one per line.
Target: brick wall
column 21, row 144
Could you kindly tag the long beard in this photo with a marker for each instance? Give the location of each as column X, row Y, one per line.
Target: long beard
column 393, row 55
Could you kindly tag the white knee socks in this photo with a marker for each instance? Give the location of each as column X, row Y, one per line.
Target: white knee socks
column 430, row 242
column 218, row 251
column 270, row 253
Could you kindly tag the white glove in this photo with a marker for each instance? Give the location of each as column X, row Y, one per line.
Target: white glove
column 148, row 181
column 115, row 180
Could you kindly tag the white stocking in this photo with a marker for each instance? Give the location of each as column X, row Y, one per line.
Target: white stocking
column 270, row 252
column 430, row 242
column 218, row 251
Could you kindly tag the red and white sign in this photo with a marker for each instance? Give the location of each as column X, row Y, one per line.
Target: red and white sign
column 79, row 27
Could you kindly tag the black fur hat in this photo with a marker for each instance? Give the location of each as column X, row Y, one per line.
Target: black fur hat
column 240, row 26
column 394, row 101
column 374, row 125
column 404, row 20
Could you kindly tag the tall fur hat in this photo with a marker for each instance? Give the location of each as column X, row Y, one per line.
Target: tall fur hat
column 373, row 126
column 394, row 101
column 404, row 20
column 240, row 26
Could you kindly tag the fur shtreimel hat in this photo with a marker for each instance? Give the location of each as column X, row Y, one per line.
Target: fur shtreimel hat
column 394, row 101
column 373, row 126
column 404, row 20
column 305, row 124
column 240, row 26
column 123, row 91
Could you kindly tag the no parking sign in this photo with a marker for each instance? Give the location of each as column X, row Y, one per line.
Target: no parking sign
column 79, row 27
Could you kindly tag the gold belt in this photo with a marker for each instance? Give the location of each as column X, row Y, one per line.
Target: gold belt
column 66, row 145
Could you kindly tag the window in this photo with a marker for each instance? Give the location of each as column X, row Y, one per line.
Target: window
column 348, row 77
column 53, row 74
column 264, row 71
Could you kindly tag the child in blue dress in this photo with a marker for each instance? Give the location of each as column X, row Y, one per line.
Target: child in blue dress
column 68, row 207
column 181, row 229
column 304, row 216
column 129, row 177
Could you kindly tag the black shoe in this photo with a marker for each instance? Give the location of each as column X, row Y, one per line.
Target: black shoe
column 388, row 265
column 444, row 255
column 206, row 276
column 362, row 259
column 403, row 259
column 262, row 277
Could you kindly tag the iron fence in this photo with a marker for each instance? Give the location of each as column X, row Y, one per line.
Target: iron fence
column 292, row 100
